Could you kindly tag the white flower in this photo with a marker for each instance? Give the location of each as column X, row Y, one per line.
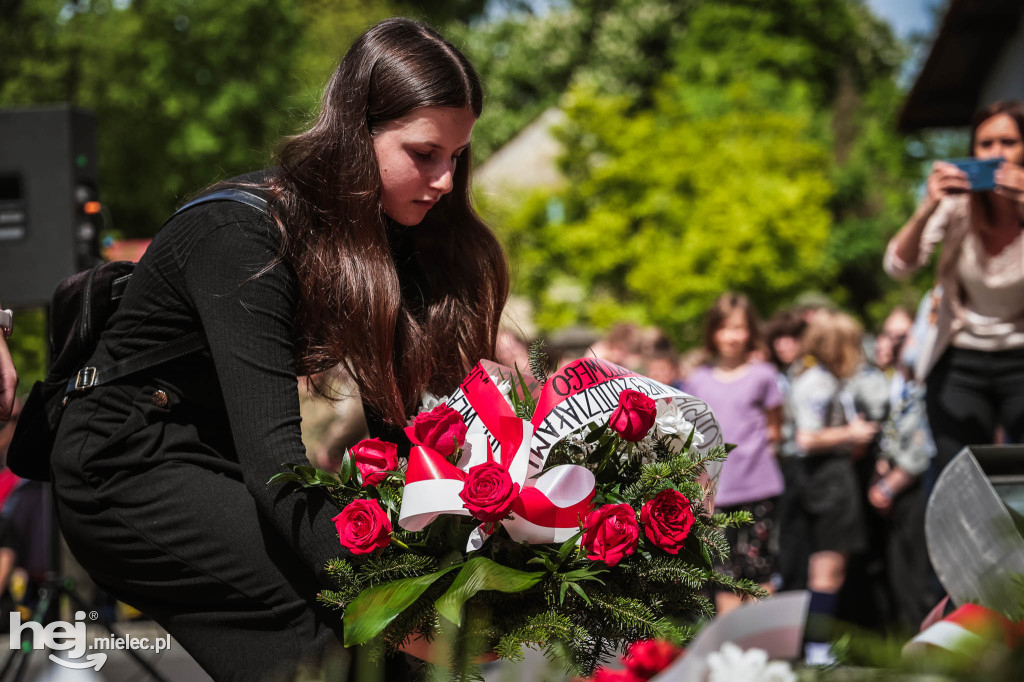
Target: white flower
column 430, row 401
column 671, row 422
column 778, row 671
column 505, row 388
column 732, row 664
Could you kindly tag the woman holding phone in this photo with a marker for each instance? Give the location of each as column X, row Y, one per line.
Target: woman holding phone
column 974, row 369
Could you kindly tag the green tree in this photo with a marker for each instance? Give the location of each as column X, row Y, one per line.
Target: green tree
column 670, row 206
column 527, row 61
column 764, row 160
column 185, row 91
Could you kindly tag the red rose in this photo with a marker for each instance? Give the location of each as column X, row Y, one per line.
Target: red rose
column 363, row 526
column 611, row 533
column 634, row 416
column 650, row 656
column 489, row 492
column 374, row 458
column 667, row 520
column 441, row 429
column 606, row 675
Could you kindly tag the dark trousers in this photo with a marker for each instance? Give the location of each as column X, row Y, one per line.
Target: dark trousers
column 969, row 394
column 794, row 548
column 164, row 523
column 907, row 567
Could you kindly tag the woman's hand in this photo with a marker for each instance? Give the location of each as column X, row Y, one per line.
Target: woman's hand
column 1009, row 179
column 945, row 179
column 887, row 488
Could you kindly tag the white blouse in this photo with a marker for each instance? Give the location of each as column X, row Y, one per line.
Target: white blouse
column 986, row 308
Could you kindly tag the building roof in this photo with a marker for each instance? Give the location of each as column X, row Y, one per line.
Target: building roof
column 971, row 43
column 527, row 161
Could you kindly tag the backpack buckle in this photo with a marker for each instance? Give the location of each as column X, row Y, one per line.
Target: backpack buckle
column 85, row 378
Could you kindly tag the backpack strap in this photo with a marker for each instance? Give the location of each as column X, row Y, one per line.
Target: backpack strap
column 230, row 194
column 89, row 377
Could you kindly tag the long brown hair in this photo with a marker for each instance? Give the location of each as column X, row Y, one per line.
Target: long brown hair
column 404, row 309
column 833, row 339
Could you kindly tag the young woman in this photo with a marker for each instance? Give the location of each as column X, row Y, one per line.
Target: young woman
column 373, row 258
column 746, row 400
column 975, row 368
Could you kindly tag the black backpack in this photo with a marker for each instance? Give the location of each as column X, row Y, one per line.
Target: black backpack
column 79, row 311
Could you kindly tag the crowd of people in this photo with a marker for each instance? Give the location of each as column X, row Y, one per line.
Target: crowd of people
column 840, row 437
column 831, row 447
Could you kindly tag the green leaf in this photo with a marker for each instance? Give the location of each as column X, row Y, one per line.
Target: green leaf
column 347, row 468
column 326, row 479
column 579, row 590
column 586, row 573
column 477, row 574
column 285, row 477
column 596, row 432
column 706, row 555
column 568, row 546
column 375, row 607
column 613, row 497
column 528, row 399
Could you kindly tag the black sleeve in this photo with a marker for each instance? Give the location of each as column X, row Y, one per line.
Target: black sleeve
column 248, row 321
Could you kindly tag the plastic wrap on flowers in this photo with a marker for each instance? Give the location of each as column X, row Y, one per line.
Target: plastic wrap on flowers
column 569, row 514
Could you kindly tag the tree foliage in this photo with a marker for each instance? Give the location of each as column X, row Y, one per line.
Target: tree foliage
column 185, row 92
column 761, row 158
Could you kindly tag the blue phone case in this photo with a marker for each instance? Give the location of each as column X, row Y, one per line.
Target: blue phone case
column 981, row 174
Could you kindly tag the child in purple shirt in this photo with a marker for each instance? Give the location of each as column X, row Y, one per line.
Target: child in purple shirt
column 745, row 398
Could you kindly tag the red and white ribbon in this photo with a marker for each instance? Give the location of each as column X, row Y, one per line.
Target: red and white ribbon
column 966, row 630
column 550, row 506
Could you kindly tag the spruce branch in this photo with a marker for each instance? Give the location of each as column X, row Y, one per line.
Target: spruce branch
column 382, row 569
column 713, row 540
column 736, row 519
column 539, row 360
column 336, row 599
column 633, row 618
column 739, row 586
column 671, row 570
column 539, row 630
column 698, row 459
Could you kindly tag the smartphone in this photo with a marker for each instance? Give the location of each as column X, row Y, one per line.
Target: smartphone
column 980, row 173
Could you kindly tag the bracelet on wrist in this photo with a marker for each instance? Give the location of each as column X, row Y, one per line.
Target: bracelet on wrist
column 887, row 491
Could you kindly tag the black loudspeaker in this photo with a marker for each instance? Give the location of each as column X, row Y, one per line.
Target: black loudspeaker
column 49, row 208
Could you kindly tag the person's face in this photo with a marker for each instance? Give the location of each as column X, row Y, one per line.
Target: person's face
column 417, row 154
column 732, row 336
column 894, row 333
column 998, row 137
column 663, row 370
column 787, row 349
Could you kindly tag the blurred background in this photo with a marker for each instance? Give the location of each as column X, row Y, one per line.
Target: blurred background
column 637, row 157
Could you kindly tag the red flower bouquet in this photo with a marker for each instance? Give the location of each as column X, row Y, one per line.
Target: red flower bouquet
column 556, row 513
